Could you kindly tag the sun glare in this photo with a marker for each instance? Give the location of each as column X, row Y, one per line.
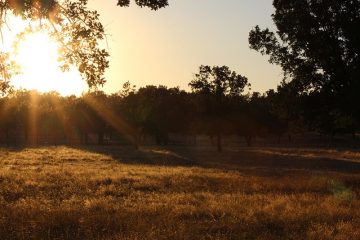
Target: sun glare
column 37, row 57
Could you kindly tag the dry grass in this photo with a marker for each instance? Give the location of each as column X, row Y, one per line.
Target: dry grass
column 178, row 193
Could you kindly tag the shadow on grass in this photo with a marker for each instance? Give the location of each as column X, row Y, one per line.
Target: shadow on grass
column 245, row 160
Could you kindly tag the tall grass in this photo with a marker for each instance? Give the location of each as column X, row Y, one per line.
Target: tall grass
column 178, row 193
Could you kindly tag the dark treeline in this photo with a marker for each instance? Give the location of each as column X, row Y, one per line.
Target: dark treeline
column 216, row 107
column 316, row 43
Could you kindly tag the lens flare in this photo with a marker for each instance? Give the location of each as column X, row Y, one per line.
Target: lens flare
column 37, row 56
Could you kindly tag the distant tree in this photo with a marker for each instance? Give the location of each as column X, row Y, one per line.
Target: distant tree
column 152, row 4
column 7, row 119
column 158, row 111
column 94, row 106
column 317, row 44
column 70, row 115
column 286, row 109
column 252, row 117
column 52, row 118
column 127, row 105
column 19, row 106
column 215, row 86
column 321, row 116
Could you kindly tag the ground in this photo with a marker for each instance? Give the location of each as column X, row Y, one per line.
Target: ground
column 179, row 193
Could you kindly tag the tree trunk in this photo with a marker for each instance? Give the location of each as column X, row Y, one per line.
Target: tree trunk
column 101, row 138
column 219, row 146
column 86, row 139
column 136, row 140
column 26, row 136
column 331, row 138
column 136, row 144
column 211, row 140
column 7, row 137
column 248, row 140
column 166, row 139
column 289, row 138
column 158, row 140
column 353, row 135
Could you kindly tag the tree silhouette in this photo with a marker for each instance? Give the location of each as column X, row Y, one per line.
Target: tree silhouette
column 317, row 44
column 287, row 110
column 152, row 4
column 252, row 117
column 155, row 111
column 215, row 86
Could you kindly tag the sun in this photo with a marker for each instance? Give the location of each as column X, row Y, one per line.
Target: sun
column 37, row 55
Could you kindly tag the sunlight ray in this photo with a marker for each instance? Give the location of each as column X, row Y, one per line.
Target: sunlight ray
column 69, row 129
column 33, row 118
column 111, row 118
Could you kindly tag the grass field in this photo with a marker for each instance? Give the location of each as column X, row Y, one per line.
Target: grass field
column 179, row 193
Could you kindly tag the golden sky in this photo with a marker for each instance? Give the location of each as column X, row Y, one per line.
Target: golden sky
column 167, row 46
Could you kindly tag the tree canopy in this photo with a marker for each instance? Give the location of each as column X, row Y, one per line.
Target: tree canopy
column 152, row 4
column 317, row 44
column 77, row 29
column 216, row 88
column 219, row 81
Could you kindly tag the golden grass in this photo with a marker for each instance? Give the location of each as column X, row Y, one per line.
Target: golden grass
column 178, row 193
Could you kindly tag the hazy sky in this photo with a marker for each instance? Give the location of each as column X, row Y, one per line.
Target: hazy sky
column 167, row 46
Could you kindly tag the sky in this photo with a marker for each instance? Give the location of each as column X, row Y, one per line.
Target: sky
column 166, row 47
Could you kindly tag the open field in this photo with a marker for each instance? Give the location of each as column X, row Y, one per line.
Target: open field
column 179, row 193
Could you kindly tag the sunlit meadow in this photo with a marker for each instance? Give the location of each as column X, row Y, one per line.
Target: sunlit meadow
column 178, row 193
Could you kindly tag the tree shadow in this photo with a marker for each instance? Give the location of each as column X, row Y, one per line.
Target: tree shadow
column 245, row 160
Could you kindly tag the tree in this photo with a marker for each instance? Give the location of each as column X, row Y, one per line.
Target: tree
column 94, row 105
column 286, row 109
column 152, row 4
column 151, row 110
column 75, row 27
column 317, row 44
column 216, row 86
column 251, row 117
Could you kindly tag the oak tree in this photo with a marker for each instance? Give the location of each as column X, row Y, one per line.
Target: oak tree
column 317, row 44
column 215, row 87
